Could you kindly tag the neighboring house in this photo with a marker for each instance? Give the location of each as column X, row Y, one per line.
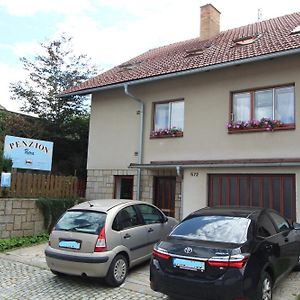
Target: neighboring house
column 210, row 90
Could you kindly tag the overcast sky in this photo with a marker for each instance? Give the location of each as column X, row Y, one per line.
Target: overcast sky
column 111, row 31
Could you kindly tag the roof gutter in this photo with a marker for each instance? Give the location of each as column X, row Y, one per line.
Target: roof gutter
column 187, row 72
column 141, row 138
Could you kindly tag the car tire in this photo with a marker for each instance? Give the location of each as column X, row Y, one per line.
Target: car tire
column 265, row 287
column 57, row 273
column 117, row 271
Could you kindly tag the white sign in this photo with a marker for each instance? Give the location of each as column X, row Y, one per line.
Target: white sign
column 5, row 179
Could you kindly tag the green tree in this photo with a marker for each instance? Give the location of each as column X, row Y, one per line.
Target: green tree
column 65, row 121
column 49, row 74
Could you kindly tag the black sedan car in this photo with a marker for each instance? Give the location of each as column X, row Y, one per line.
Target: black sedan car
column 226, row 253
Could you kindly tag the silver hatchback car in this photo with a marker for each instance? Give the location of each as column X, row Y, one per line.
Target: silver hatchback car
column 104, row 238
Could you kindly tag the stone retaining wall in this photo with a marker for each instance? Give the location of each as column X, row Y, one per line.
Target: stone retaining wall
column 20, row 217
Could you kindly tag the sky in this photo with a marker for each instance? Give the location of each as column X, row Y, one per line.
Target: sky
column 111, row 32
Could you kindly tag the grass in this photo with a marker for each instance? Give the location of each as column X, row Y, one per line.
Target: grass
column 298, row 298
column 18, row 242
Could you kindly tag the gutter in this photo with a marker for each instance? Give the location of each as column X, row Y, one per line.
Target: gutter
column 141, row 138
column 187, row 72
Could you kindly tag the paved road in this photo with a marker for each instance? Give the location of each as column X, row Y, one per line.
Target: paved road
column 20, row 281
column 24, row 275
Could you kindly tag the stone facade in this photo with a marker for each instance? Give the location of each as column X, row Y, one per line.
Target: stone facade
column 100, row 184
column 20, row 217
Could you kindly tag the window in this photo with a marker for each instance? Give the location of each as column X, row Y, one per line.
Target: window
column 265, row 108
column 123, row 187
column 214, row 228
column 168, row 118
column 81, row 221
column 150, row 214
column 296, row 30
column 126, row 218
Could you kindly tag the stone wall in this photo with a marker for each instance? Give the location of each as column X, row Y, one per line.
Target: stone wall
column 100, row 185
column 20, row 217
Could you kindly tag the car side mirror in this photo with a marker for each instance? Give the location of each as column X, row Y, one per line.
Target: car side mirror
column 165, row 220
column 296, row 226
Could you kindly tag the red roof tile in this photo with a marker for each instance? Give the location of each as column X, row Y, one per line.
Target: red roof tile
column 271, row 36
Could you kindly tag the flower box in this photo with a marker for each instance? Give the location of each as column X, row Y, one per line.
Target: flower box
column 165, row 133
column 264, row 124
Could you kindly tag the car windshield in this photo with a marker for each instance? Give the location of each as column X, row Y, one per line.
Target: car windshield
column 214, row 228
column 81, row 221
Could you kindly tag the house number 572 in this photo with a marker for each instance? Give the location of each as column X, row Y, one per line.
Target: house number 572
column 195, row 174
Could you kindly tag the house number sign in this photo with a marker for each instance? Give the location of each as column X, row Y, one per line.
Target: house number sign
column 194, row 174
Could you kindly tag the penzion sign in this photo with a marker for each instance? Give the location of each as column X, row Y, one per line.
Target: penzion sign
column 28, row 153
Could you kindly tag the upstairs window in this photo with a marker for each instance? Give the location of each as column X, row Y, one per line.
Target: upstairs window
column 168, row 119
column 268, row 108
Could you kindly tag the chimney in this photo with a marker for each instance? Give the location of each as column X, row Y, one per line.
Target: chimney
column 210, row 22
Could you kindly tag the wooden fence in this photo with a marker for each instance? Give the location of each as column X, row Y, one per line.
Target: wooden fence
column 38, row 185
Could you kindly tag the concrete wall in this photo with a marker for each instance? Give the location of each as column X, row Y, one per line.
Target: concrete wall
column 114, row 129
column 20, row 217
column 114, row 123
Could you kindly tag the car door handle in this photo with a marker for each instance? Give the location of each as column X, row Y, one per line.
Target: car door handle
column 150, row 230
column 127, row 236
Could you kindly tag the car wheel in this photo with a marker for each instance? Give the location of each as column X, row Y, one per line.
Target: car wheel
column 117, row 271
column 57, row 273
column 265, row 287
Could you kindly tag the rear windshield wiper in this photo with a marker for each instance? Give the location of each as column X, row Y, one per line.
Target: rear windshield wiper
column 77, row 227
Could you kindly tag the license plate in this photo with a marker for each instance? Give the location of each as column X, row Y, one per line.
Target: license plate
column 69, row 245
column 188, row 264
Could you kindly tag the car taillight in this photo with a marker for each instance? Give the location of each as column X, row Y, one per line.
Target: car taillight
column 101, row 242
column 235, row 261
column 160, row 254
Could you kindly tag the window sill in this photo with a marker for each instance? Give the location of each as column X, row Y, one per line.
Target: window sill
column 264, row 129
column 163, row 136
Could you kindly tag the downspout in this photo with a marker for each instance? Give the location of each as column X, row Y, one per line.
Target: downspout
column 141, row 139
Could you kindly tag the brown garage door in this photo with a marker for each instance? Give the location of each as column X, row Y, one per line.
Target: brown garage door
column 267, row 190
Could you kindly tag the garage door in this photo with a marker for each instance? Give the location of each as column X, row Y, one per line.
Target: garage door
column 267, row 190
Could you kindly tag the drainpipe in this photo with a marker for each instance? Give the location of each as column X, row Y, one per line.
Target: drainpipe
column 141, row 139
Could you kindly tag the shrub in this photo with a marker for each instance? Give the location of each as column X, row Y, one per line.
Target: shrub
column 52, row 209
column 16, row 242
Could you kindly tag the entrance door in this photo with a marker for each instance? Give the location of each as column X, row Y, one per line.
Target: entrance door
column 123, row 187
column 275, row 191
column 164, row 194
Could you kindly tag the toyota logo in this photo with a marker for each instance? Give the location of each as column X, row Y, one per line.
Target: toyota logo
column 188, row 250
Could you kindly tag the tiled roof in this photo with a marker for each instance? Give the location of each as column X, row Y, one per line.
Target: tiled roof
column 269, row 37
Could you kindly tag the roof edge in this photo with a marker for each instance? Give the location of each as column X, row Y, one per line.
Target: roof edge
column 184, row 73
column 236, row 163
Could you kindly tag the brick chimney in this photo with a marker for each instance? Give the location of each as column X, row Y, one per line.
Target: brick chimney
column 210, row 22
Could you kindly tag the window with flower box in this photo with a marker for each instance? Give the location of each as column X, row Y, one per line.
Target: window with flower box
column 168, row 119
column 263, row 109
